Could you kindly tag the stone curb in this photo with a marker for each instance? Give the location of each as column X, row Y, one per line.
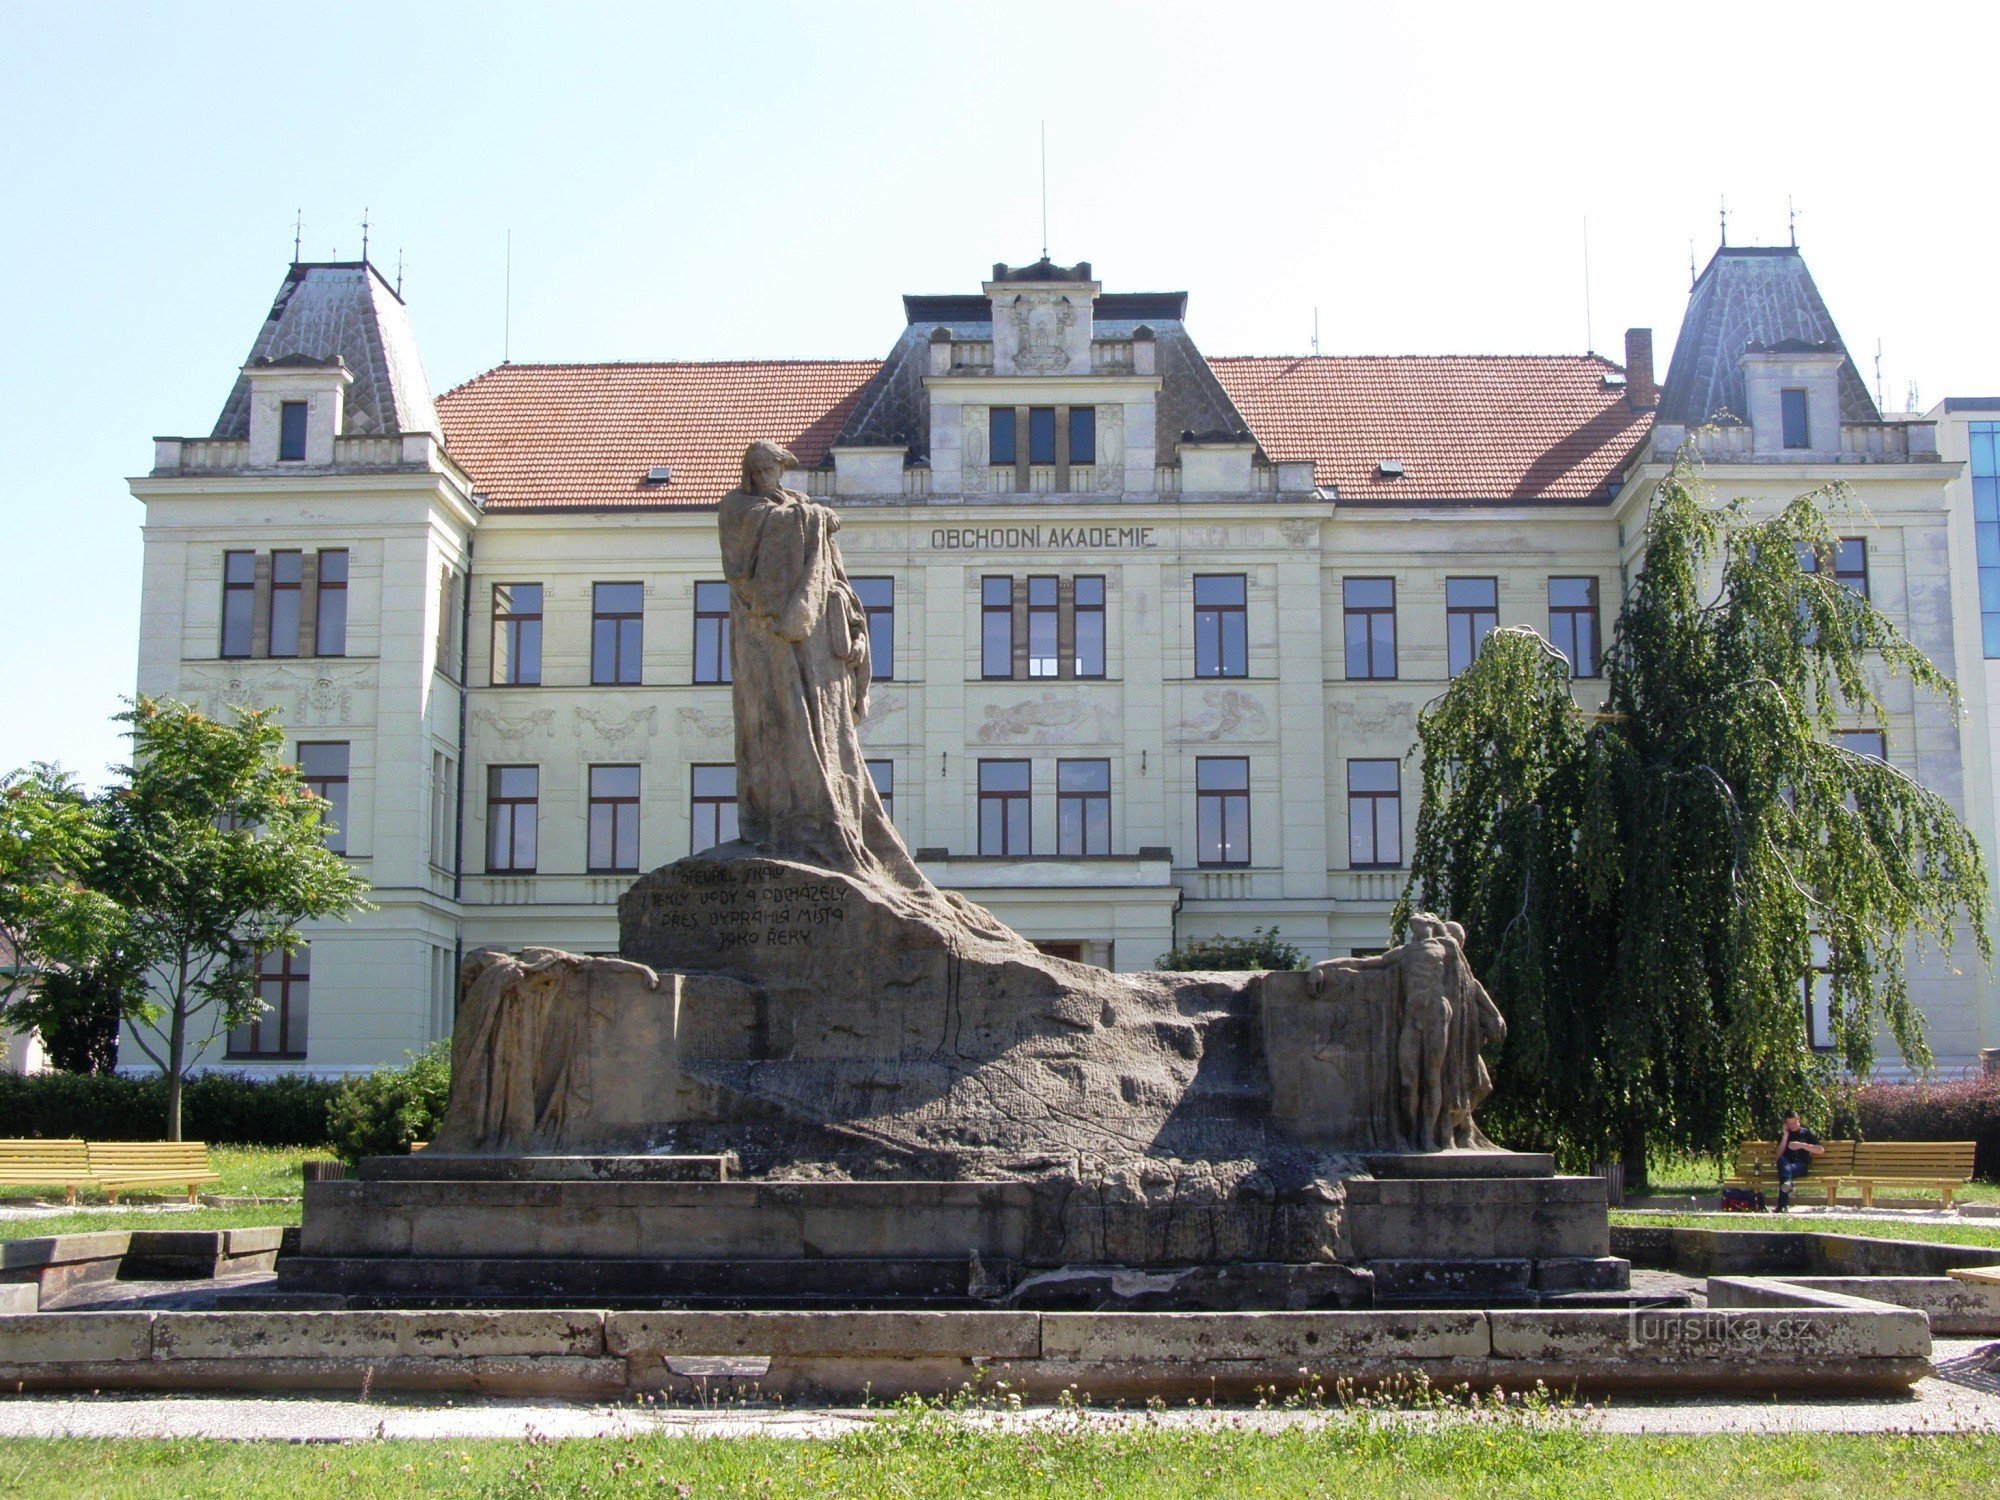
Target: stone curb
column 1780, row 1336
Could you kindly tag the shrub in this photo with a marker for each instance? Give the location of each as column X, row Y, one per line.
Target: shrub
column 224, row 1109
column 381, row 1113
column 1962, row 1110
column 1261, row 950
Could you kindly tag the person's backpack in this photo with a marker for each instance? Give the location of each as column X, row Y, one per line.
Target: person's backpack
column 1742, row 1200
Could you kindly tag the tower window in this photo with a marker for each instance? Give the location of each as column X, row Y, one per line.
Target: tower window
column 292, row 432
column 1792, row 408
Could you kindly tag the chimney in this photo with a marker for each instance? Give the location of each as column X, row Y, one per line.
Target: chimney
column 1639, row 388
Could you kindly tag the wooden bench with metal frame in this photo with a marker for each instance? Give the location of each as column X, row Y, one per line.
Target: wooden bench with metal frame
column 119, row 1165
column 38, row 1163
column 1757, row 1167
column 1943, row 1165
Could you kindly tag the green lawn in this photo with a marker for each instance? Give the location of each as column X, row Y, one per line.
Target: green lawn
column 1985, row 1234
column 912, row 1458
column 247, row 1172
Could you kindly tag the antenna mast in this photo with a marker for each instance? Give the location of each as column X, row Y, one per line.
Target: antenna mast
column 507, row 307
column 1792, row 220
column 364, row 236
column 1315, row 333
column 1878, row 375
column 399, row 270
column 1045, row 190
column 298, row 232
column 1589, row 337
column 1723, row 208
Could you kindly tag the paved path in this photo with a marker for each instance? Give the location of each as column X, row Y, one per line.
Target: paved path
column 1964, row 1396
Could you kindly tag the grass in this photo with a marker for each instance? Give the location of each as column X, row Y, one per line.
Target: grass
column 247, row 1172
column 914, row 1456
column 1984, row 1235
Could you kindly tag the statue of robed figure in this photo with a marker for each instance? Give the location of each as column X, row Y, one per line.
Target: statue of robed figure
column 799, row 666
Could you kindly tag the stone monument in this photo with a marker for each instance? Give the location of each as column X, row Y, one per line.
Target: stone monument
column 811, row 1073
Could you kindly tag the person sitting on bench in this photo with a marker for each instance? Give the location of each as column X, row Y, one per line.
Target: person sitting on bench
column 1797, row 1146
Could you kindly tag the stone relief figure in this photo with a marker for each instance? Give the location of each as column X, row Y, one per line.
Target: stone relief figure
column 1443, row 1018
column 798, row 654
column 520, row 1059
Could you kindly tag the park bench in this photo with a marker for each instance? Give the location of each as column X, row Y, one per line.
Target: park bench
column 1757, row 1167
column 118, row 1165
column 1944, row 1165
column 45, row 1164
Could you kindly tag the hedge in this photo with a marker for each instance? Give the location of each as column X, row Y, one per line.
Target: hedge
column 1963, row 1110
column 224, row 1109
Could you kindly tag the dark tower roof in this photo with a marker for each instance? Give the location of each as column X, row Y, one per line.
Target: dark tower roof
column 343, row 310
column 1761, row 295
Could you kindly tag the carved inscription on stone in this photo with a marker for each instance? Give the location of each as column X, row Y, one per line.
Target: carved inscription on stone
column 751, row 908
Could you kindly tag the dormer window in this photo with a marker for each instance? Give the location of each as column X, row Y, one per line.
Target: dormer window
column 1794, row 419
column 292, row 432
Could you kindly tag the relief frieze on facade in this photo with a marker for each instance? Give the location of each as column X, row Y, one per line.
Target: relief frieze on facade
column 612, row 727
column 708, row 725
column 304, row 698
column 1052, row 719
column 1376, row 721
column 518, row 726
column 1226, row 714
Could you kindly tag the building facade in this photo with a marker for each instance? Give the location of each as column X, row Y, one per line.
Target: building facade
column 1152, row 628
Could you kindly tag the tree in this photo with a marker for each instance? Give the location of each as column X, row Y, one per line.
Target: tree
column 1643, row 888
column 215, row 853
column 1261, row 950
column 51, row 920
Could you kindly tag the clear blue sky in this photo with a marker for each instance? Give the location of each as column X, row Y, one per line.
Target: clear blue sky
column 750, row 180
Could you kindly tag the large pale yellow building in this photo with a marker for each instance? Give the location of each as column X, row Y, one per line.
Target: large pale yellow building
column 1153, row 628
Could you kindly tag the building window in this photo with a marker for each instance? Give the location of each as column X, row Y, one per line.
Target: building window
column 996, row 627
column 1000, row 435
column 1044, row 613
column 1370, row 605
column 452, row 599
column 1818, row 997
column 517, row 634
column 1985, row 443
column 617, row 613
column 1846, row 559
column 1471, row 612
column 323, row 768
column 1792, row 409
column 1573, row 623
column 1222, row 810
column 1374, row 814
column 292, row 432
column 287, row 586
column 1221, row 628
column 512, row 801
column 1083, row 434
column 1872, row 743
column 614, row 819
column 239, row 601
column 444, row 797
column 330, row 607
column 711, row 632
column 1041, row 434
column 878, row 603
column 1089, row 607
column 284, row 985
column 712, row 805
column 1083, row 807
column 1004, row 812
column 883, row 774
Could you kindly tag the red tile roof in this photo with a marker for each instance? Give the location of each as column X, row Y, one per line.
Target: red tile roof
column 583, row 436
column 1497, row 428
column 1465, row 427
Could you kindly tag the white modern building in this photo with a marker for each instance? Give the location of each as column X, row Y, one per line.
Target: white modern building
column 1153, row 627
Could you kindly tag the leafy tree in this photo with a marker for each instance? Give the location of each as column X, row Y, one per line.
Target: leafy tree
column 1642, row 887
column 1263, row 949
column 51, row 920
column 215, row 853
column 79, row 1009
